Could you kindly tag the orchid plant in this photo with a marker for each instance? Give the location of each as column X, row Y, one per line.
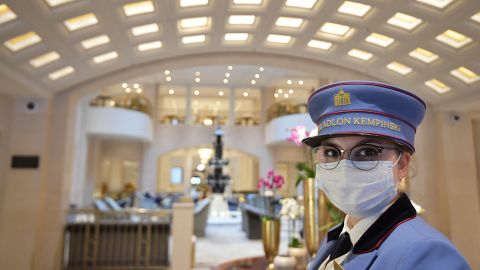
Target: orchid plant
column 294, row 211
column 271, row 183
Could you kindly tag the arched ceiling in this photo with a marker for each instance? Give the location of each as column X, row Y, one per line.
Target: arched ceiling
column 412, row 57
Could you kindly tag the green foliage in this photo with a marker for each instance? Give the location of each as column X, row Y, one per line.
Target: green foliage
column 295, row 243
column 335, row 214
column 304, row 172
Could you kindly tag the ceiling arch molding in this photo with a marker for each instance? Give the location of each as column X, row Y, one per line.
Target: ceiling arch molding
column 311, row 66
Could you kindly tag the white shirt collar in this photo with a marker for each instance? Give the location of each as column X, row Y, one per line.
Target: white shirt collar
column 362, row 225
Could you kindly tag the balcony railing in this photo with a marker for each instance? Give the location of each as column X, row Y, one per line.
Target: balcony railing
column 285, row 108
column 134, row 102
column 127, row 239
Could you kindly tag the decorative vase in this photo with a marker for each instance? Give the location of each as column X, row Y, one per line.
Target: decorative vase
column 311, row 216
column 285, row 262
column 270, row 239
column 324, row 217
column 301, row 256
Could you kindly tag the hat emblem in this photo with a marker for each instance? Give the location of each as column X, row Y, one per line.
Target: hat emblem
column 342, row 98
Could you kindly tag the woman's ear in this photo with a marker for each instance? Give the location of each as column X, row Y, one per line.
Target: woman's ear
column 403, row 164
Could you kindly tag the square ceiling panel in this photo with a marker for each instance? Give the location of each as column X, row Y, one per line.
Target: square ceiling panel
column 81, row 21
column 6, row 14
column 138, row 8
column 22, row 41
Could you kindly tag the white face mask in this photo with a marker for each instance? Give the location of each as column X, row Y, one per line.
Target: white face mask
column 358, row 193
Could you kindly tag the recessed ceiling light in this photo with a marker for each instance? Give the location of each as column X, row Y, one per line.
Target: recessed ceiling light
column 257, row 76
column 438, row 86
column 285, row 95
column 476, row 17
column 354, row 8
column 54, row 3
column 301, row 3
column 145, row 29
column 290, row 91
column 225, row 80
column 136, row 85
column 168, row 78
column 275, row 95
column 289, row 22
column 423, row 55
column 399, row 68
column 95, row 41
column 227, row 75
column 171, row 92
column 44, row 59
column 241, row 19
column 105, row 57
column 236, row 36
column 318, row 44
column 220, row 93
column 436, row 3
column 247, row 2
column 300, row 82
column 124, row 85
column 196, row 93
column 150, row 46
column 197, row 80
column 193, row 22
column 465, row 75
column 193, row 3
column 138, row 8
column 454, row 39
column 380, row 40
column 61, row 73
column 335, row 29
column 197, row 73
column 128, row 90
column 81, row 21
column 289, row 81
column 20, row 42
column 253, row 82
column 404, row 21
column 193, row 39
column 6, row 14
column 280, row 91
column 245, row 94
column 363, row 55
column 261, row 69
column 139, row 90
column 229, row 67
column 167, row 72
column 279, row 39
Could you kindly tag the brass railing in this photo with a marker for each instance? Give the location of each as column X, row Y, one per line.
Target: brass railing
column 130, row 101
column 284, row 108
column 127, row 239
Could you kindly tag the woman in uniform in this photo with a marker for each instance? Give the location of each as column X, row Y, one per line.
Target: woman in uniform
column 363, row 150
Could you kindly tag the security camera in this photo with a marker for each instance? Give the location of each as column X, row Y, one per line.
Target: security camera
column 455, row 117
column 30, row 106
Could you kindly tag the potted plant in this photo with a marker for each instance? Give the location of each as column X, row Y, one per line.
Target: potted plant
column 293, row 211
column 268, row 187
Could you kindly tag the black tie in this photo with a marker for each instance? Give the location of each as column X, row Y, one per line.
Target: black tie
column 341, row 247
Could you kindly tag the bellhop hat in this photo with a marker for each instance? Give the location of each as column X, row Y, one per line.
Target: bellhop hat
column 365, row 108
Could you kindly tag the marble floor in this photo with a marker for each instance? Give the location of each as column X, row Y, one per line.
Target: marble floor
column 226, row 242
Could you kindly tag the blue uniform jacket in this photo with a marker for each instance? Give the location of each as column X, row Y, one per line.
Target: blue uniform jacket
column 399, row 239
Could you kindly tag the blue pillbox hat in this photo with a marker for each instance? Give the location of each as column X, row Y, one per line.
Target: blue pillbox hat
column 365, row 108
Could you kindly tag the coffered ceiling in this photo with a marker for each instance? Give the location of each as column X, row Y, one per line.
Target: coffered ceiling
column 433, row 45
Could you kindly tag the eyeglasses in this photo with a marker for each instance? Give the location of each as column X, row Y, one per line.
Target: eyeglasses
column 364, row 157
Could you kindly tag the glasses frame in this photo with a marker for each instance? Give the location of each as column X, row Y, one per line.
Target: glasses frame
column 342, row 154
